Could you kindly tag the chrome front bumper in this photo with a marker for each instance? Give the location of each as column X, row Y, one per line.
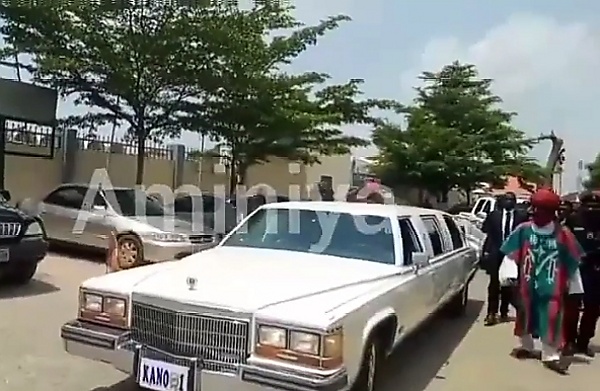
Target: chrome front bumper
column 116, row 348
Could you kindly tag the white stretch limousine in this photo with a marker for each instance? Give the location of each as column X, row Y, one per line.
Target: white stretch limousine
column 300, row 296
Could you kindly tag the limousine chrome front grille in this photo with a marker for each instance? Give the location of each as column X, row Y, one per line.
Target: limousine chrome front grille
column 10, row 230
column 221, row 343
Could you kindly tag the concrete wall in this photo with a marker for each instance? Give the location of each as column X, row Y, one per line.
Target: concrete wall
column 76, row 159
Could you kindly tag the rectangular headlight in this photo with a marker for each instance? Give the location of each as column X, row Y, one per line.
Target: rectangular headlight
column 272, row 336
column 91, row 302
column 115, row 306
column 100, row 308
column 301, row 347
column 305, row 342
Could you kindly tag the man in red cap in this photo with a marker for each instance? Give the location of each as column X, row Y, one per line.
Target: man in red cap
column 547, row 257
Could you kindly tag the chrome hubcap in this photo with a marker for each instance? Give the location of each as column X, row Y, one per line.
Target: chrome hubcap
column 127, row 253
column 371, row 366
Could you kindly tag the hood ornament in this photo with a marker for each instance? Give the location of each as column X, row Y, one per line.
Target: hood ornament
column 191, row 283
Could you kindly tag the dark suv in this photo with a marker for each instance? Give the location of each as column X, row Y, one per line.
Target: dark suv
column 22, row 242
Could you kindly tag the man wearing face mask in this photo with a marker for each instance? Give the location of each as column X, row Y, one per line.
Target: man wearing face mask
column 546, row 256
column 498, row 225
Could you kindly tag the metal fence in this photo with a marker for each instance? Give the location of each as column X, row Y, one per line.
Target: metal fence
column 22, row 133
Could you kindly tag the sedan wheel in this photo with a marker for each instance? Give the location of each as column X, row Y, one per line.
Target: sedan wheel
column 129, row 251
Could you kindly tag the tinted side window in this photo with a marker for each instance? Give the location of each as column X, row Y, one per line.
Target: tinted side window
column 434, row 235
column 455, row 234
column 410, row 241
column 68, row 197
column 487, row 207
column 183, row 204
column 478, row 206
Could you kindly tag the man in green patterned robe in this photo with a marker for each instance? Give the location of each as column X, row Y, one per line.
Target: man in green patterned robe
column 546, row 256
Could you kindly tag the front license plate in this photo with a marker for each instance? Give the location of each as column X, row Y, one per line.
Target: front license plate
column 4, row 255
column 162, row 376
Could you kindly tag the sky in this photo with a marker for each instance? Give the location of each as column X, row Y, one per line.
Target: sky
column 543, row 55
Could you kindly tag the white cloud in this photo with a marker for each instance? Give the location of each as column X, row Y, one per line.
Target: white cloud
column 545, row 70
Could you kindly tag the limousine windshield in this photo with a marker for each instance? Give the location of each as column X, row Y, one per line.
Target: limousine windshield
column 344, row 235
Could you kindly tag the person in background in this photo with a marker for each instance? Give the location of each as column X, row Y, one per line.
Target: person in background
column 585, row 225
column 546, row 257
column 498, row 225
column 566, row 209
column 255, row 201
column 326, row 190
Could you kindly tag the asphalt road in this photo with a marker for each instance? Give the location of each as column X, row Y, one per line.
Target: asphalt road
column 447, row 355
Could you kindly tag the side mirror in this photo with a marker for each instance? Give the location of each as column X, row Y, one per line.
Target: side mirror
column 481, row 215
column 5, row 194
column 99, row 208
column 420, row 259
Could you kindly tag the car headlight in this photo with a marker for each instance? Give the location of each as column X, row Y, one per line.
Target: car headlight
column 318, row 350
column 272, row 336
column 91, row 302
column 305, row 342
column 34, row 229
column 115, row 306
column 165, row 237
column 103, row 308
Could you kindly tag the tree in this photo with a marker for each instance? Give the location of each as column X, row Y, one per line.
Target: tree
column 456, row 137
column 135, row 66
column 593, row 181
column 260, row 111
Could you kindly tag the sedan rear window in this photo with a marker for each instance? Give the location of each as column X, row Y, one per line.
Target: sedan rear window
column 329, row 233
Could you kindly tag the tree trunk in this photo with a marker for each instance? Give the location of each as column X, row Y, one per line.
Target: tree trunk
column 232, row 172
column 468, row 195
column 141, row 157
column 242, row 169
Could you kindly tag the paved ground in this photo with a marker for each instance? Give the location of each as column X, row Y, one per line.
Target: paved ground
column 446, row 356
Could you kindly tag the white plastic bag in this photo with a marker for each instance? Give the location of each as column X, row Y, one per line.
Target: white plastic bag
column 509, row 272
column 575, row 283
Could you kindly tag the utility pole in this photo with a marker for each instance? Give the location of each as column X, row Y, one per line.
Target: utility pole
column 580, row 168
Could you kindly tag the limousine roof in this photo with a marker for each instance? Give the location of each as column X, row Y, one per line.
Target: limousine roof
column 358, row 208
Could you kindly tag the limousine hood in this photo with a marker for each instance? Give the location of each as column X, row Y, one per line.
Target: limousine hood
column 244, row 279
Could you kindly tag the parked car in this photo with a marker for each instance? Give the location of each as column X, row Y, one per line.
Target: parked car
column 22, row 242
column 206, row 211
column 144, row 234
column 300, row 296
column 252, row 203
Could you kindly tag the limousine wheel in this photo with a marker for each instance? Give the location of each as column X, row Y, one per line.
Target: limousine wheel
column 458, row 305
column 369, row 375
column 129, row 251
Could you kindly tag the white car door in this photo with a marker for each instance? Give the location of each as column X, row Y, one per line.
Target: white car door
column 416, row 295
column 441, row 262
column 468, row 258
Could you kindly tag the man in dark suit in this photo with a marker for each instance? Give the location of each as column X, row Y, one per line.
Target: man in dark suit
column 498, row 226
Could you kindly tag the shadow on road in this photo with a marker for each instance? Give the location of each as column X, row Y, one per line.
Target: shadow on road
column 124, row 385
column 416, row 362
column 419, row 360
column 33, row 288
column 78, row 253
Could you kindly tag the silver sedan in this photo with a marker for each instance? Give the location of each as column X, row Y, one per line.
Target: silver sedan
column 81, row 215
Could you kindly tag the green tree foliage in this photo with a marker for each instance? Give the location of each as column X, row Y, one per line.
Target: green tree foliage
column 456, row 136
column 593, row 181
column 136, row 66
column 261, row 111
